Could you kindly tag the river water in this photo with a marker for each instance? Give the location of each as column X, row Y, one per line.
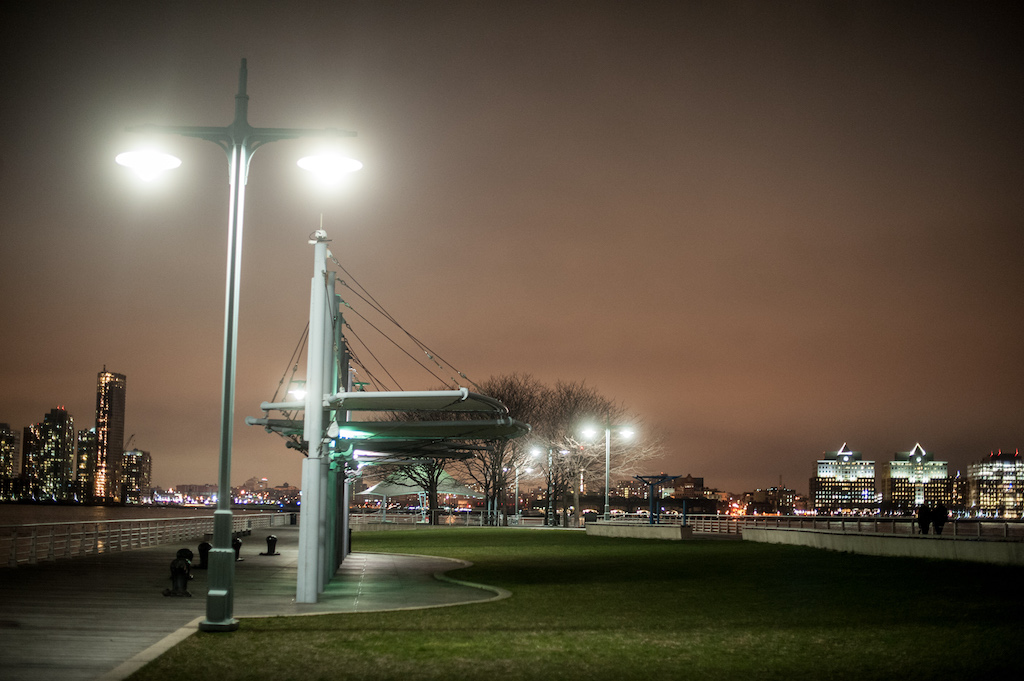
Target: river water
column 23, row 514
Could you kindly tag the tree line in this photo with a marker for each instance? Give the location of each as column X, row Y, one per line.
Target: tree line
column 557, row 415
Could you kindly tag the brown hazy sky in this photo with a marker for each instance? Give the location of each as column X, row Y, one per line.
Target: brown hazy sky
column 766, row 228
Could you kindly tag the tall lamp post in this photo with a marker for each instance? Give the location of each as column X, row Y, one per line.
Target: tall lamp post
column 536, row 451
column 623, row 431
column 516, row 507
column 239, row 140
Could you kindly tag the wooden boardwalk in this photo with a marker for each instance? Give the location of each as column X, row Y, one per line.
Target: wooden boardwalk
column 84, row 618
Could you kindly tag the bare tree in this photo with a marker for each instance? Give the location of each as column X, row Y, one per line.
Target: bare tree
column 567, row 408
column 424, row 473
column 557, row 416
column 491, row 470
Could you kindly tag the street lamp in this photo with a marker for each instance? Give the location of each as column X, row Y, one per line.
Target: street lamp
column 528, row 470
column 623, row 431
column 537, row 451
column 548, row 518
column 239, row 140
column 148, row 163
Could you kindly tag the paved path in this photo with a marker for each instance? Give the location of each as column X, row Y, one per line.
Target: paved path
column 103, row 616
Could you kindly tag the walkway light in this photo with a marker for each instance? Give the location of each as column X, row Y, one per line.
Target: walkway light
column 329, row 168
column 148, row 163
column 240, row 140
column 589, row 432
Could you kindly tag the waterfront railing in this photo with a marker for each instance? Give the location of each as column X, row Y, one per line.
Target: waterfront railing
column 32, row 543
column 955, row 528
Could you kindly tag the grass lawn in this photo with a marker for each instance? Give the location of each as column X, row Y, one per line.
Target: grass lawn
column 601, row 608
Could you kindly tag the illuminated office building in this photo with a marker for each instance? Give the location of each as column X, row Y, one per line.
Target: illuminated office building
column 110, row 400
column 994, row 485
column 914, row 478
column 686, row 487
column 845, row 483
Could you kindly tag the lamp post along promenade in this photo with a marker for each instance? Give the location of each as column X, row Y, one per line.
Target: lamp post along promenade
column 239, row 140
column 624, row 431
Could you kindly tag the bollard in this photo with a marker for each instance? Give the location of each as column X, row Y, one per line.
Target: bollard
column 204, row 553
column 181, row 572
column 236, row 544
column 271, row 546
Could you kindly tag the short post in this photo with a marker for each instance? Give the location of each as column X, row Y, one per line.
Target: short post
column 204, row 553
column 271, row 546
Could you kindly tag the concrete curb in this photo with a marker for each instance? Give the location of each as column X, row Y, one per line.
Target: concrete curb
column 137, row 662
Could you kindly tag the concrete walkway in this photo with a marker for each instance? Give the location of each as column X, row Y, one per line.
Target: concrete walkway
column 105, row 616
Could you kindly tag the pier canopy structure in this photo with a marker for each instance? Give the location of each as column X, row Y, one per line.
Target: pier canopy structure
column 410, row 427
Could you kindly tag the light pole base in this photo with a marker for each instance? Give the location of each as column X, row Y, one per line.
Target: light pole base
column 218, row 612
column 220, row 598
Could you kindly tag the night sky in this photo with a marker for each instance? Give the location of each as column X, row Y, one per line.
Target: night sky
column 765, row 228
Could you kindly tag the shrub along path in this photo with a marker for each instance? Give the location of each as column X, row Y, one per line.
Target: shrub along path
column 596, row 608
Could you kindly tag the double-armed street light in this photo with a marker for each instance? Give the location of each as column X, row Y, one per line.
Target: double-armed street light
column 239, row 140
column 625, row 432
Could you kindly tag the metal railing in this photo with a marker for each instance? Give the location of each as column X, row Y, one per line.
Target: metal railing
column 955, row 528
column 30, row 544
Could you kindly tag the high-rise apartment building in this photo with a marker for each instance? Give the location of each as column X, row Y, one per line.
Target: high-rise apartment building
column 48, row 454
column 85, row 465
column 137, row 472
column 10, row 461
column 845, row 482
column 110, row 402
column 994, row 485
column 10, row 451
column 914, row 478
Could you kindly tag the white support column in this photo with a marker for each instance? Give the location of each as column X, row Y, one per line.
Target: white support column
column 310, row 532
column 347, row 501
column 327, row 386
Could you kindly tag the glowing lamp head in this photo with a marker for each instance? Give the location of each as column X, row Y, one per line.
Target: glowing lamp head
column 330, row 168
column 297, row 389
column 147, row 163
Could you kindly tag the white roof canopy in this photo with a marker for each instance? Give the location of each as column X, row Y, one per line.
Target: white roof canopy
column 407, row 400
column 434, row 438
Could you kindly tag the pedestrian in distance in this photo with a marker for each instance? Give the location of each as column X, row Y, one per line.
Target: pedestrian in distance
column 181, row 573
column 924, row 518
column 939, row 517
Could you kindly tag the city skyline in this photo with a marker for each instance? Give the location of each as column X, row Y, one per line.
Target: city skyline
column 766, row 230
column 106, row 378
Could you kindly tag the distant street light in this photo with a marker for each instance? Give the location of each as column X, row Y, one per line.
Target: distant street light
column 537, row 451
column 239, row 140
column 623, row 431
column 528, row 470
